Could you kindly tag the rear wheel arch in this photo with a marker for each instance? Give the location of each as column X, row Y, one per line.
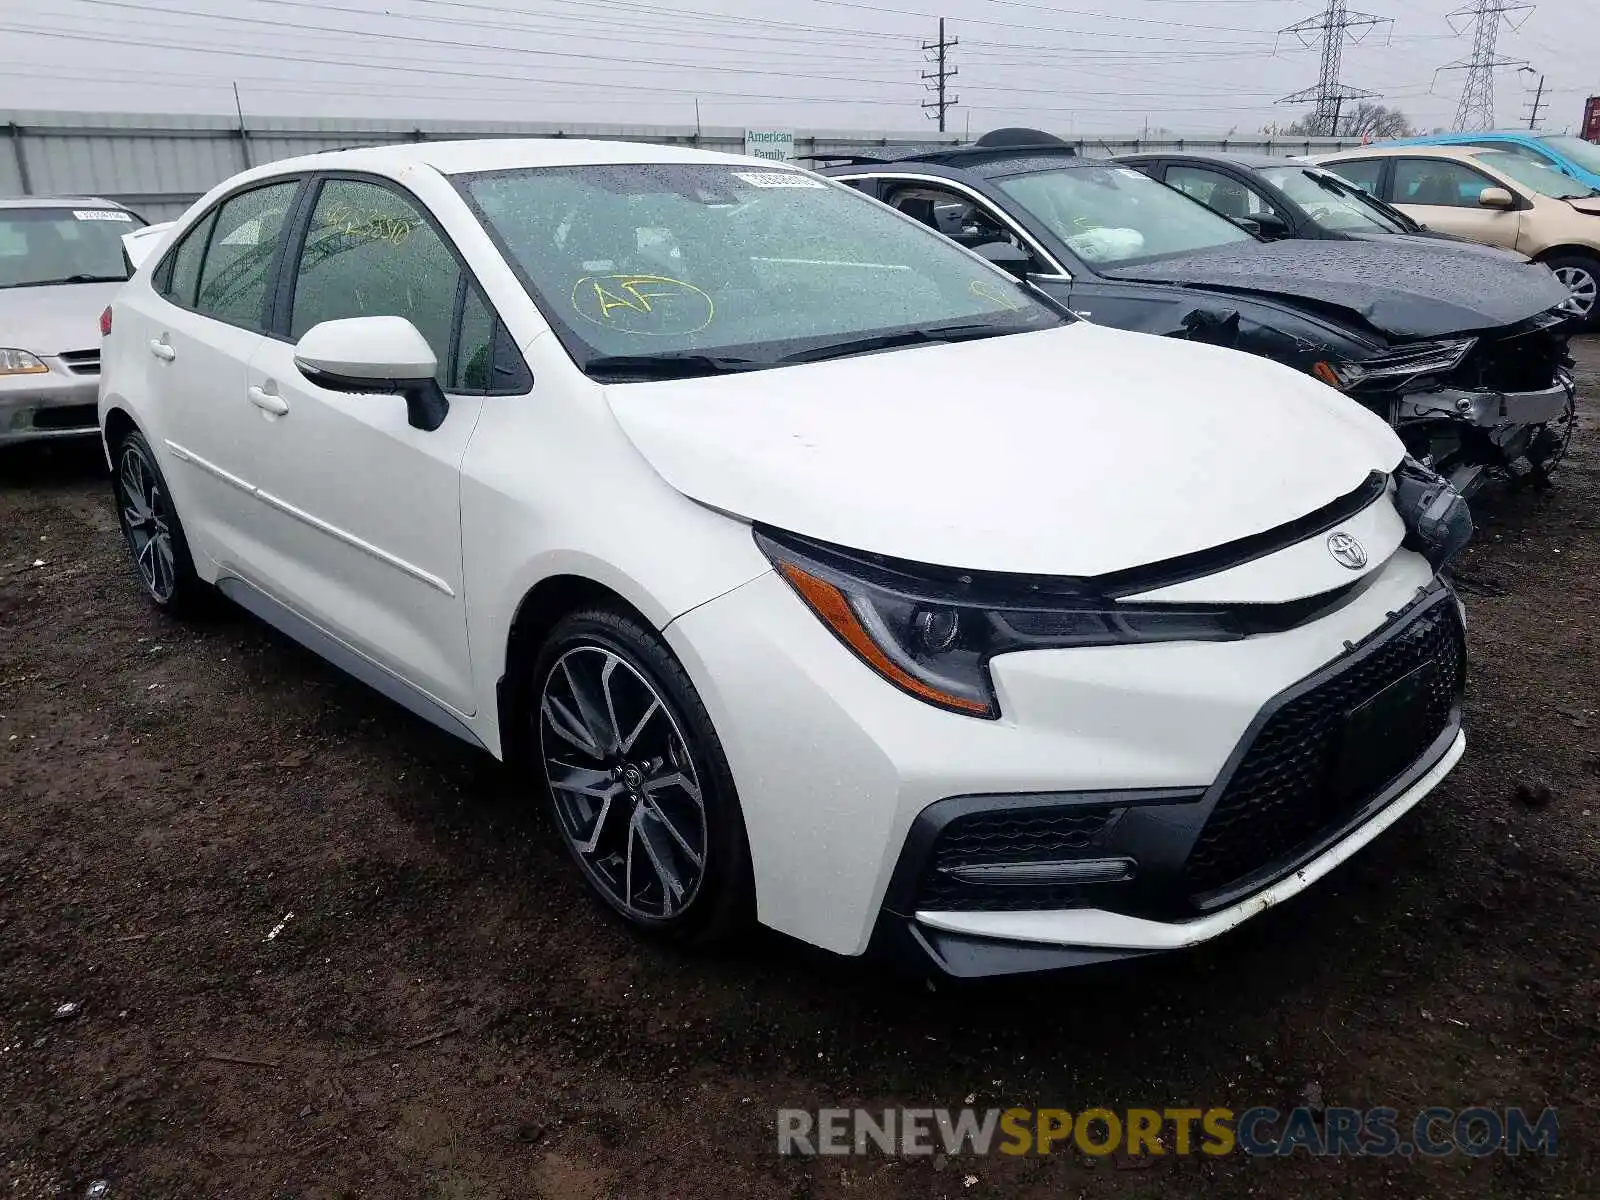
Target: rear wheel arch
column 117, row 425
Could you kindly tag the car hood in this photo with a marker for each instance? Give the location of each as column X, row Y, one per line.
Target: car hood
column 1432, row 238
column 53, row 319
column 1401, row 288
column 1073, row 451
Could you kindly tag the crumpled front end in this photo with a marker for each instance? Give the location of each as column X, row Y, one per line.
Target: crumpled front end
column 1472, row 407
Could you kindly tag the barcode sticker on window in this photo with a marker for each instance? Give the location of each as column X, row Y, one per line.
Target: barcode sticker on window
column 101, row 214
column 778, row 179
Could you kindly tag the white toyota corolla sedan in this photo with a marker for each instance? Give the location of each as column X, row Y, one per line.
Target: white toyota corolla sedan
column 818, row 572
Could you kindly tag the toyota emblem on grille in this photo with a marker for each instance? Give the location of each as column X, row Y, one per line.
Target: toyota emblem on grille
column 1347, row 551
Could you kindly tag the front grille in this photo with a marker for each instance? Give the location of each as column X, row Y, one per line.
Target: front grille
column 1525, row 362
column 67, row 416
column 1010, row 836
column 81, row 362
column 1323, row 757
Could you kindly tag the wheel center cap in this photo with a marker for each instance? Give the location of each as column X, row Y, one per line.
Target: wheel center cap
column 632, row 778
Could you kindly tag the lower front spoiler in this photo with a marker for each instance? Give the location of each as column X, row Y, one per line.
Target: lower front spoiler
column 975, row 945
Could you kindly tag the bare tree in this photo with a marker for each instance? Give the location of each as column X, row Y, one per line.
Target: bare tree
column 1365, row 120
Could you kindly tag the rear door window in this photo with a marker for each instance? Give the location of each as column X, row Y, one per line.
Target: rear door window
column 179, row 279
column 236, row 276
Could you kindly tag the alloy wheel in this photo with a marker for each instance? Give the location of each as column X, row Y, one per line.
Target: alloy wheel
column 626, row 794
column 1585, row 289
column 148, row 521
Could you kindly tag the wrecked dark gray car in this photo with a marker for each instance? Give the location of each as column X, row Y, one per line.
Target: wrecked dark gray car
column 1464, row 352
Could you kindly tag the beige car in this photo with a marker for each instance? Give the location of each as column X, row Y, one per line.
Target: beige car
column 1491, row 196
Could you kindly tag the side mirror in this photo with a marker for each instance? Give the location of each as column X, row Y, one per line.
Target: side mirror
column 1010, row 259
column 1496, row 197
column 382, row 355
column 1271, row 225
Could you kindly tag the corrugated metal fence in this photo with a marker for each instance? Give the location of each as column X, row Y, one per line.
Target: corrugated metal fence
column 158, row 165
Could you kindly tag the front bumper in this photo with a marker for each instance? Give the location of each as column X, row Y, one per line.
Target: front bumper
column 62, row 402
column 981, row 945
column 835, row 767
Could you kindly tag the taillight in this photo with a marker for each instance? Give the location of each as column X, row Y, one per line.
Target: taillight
column 105, row 322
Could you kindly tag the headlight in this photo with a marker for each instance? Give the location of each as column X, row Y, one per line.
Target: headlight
column 20, row 362
column 1427, row 358
column 1438, row 521
column 932, row 632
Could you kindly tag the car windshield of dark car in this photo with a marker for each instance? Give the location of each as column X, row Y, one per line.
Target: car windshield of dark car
column 1547, row 181
column 40, row 246
column 735, row 263
column 1116, row 216
column 1575, row 150
column 1330, row 201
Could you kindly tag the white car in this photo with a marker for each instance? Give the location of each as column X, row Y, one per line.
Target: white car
column 821, row 574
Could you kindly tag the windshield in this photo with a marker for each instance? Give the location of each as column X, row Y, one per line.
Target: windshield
column 1330, row 201
column 721, row 266
column 1115, row 216
column 1575, row 150
column 63, row 245
column 1547, row 181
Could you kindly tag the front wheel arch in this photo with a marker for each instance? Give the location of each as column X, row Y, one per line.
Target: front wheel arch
column 540, row 609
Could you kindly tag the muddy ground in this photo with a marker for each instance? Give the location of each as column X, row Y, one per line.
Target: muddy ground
column 443, row 1013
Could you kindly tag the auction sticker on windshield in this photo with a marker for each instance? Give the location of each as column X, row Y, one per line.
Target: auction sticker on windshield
column 778, row 179
column 101, row 214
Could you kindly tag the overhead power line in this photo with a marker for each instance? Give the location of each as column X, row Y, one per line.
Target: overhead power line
column 1332, row 29
column 1476, row 109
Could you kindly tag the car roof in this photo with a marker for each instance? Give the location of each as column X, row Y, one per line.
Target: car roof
column 1237, row 159
column 1518, row 135
column 58, row 202
column 500, row 154
column 1456, row 153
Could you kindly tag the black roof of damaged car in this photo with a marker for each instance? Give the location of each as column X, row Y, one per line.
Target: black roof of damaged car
column 1409, row 292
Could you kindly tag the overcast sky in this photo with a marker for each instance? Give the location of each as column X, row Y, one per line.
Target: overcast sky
column 1085, row 66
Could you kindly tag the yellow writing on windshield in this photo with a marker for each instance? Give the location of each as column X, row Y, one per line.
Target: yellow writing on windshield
column 985, row 289
column 651, row 305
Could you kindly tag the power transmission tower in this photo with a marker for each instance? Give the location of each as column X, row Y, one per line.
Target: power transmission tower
column 938, row 79
column 1476, row 110
column 1332, row 29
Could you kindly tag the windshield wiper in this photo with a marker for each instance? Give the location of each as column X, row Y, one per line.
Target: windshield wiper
column 892, row 341
column 642, row 368
column 73, row 279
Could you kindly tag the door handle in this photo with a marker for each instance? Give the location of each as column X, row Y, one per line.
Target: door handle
column 162, row 351
column 269, row 401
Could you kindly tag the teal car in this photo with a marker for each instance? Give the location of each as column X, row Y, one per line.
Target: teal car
column 1570, row 155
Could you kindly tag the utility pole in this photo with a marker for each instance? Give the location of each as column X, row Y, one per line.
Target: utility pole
column 244, row 135
column 938, row 79
column 1536, row 115
column 1476, row 110
column 1331, row 30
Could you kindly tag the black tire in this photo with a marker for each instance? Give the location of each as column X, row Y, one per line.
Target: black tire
column 150, row 526
column 593, row 663
column 1581, row 271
